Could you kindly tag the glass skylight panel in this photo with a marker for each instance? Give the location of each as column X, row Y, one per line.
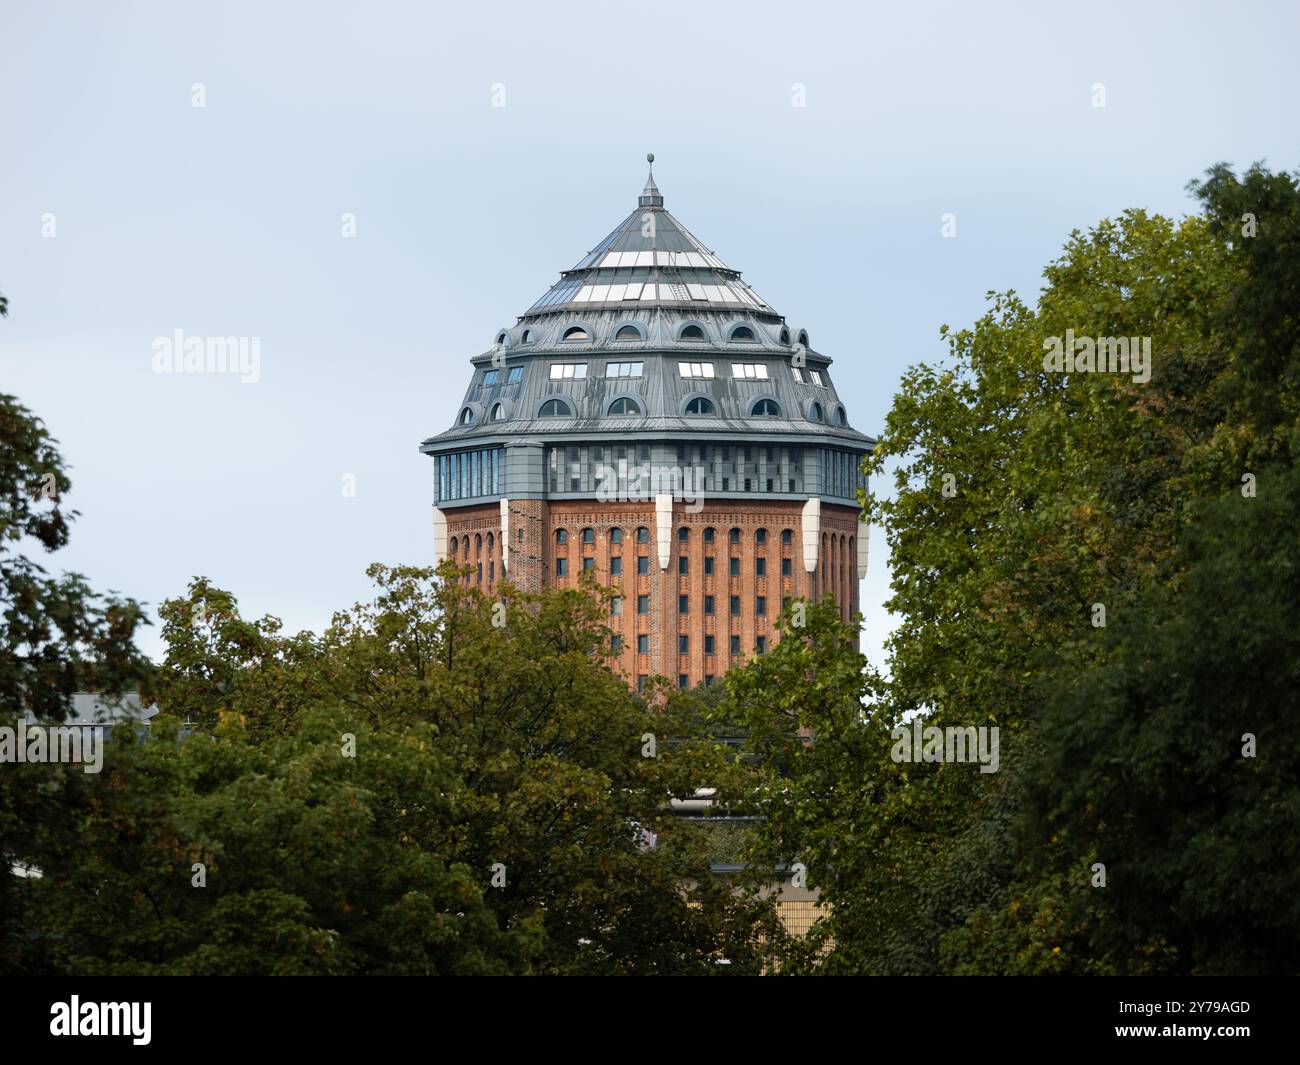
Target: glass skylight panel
column 749, row 370
column 623, row 369
column 645, row 258
column 695, row 369
column 713, row 293
column 599, row 293
column 697, row 292
column 633, row 291
column 584, row 295
column 564, row 371
column 694, row 258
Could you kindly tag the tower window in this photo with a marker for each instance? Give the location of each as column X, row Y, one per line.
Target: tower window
column 700, row 405
column 576, row 332
column 564, row 371
column 692, row 332
column 628, row 332
column 743, row 334
column 695, row 369
column 766, row 408
column 467, row 416
column 555, row 408
column 623, row 405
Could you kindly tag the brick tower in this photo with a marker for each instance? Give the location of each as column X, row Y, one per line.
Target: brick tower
column 653, row 420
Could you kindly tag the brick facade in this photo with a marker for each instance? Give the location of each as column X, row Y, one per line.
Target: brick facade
column 754, row 550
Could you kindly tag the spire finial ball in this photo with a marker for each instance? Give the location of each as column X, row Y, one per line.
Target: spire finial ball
column 650, row 157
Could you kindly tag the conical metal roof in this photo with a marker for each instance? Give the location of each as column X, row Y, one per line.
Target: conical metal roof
column 650, row 260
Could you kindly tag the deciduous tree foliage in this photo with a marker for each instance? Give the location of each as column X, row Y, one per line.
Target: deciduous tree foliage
column 1121, row 742
column 57, row 636
column 489, row 817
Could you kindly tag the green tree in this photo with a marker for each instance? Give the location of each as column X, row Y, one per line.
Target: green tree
column 491, row 820
column 57, row 636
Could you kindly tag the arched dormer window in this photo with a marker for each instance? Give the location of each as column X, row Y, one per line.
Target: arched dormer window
column 742, row 334
column 628, row 332
column 555, row 408
column 803, row 338
column 701, row 405
column 501, row 340
column 466, row 416
column 691, row 332
column 840, row 417
column 815, row 413
column 785, row 335
column 623, row 405
column 498, row 412
column 527, row 337
column 576, row 332
column 765, row 408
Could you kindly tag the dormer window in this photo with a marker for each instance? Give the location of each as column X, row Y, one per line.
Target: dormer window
column 498, row 413
column 692, row 332
column 700, row 405
column 555, row 408
column 766, row 408
column 742, row 334
column 628, row 332
column 467, row 416
column 623, row 405
column 576, row 332
column 816, row 413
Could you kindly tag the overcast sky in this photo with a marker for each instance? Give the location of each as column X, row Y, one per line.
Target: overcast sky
column 127, row 213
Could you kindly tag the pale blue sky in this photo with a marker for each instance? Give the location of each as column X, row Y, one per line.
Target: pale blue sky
column 226, row 220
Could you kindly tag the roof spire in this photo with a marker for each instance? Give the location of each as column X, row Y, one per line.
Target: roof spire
column 650, row 195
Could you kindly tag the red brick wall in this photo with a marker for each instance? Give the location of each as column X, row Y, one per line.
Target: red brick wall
column 477, row 536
